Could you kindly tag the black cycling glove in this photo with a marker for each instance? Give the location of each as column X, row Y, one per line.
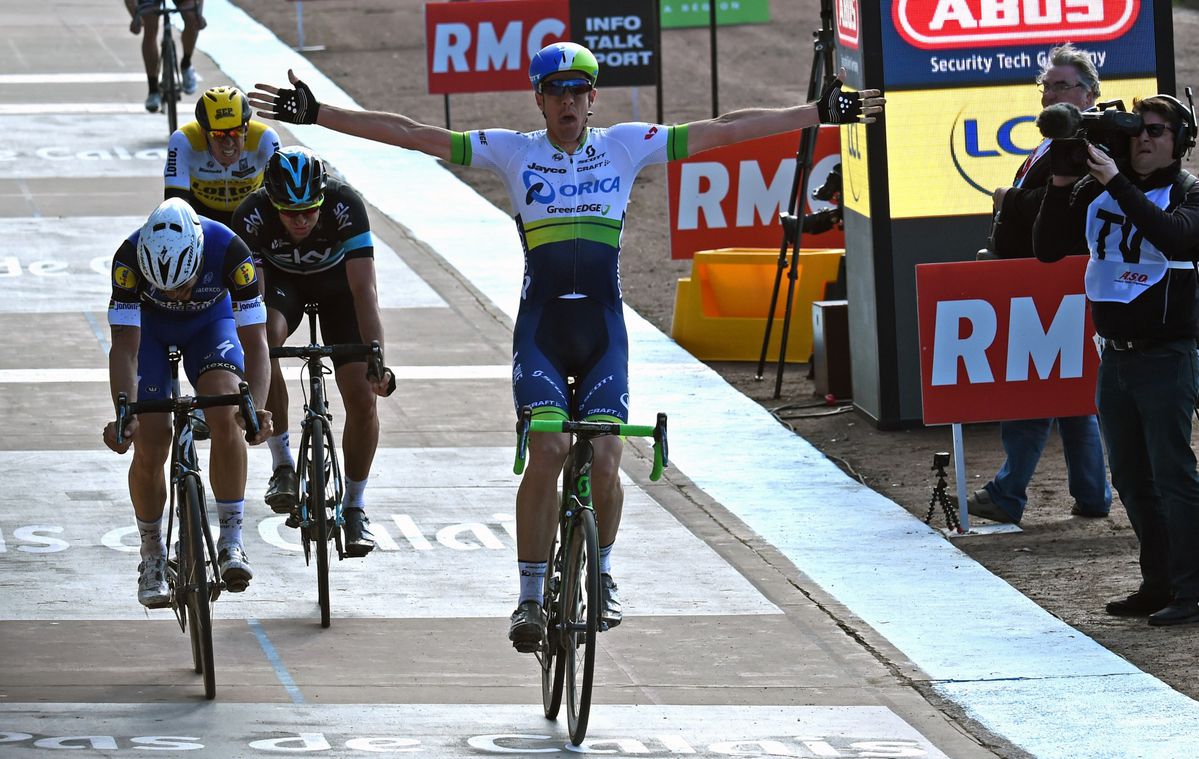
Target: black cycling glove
column 298, row 106
column 837, row 106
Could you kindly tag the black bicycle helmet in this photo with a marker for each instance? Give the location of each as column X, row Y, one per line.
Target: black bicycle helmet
column 295, row 178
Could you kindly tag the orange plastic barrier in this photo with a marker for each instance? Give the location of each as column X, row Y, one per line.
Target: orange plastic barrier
column 720, row 310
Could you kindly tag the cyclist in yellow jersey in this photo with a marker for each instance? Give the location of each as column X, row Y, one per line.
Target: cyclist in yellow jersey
column 216, row 161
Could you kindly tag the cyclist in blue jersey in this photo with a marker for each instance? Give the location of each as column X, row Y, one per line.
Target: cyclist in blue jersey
column 188, row 282
column 569, row 186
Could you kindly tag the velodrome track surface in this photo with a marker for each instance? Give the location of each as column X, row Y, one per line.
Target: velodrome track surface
column 775, row 606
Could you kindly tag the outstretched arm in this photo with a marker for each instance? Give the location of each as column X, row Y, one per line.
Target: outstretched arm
column 835, row 106
column 299, row 106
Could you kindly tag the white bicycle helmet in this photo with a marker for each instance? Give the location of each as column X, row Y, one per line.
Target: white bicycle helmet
column 170, row 247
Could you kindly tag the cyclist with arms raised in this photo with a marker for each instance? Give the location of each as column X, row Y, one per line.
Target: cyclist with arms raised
column 217, row 160
column 569, row 185
column 313, row 238
column 188, row 282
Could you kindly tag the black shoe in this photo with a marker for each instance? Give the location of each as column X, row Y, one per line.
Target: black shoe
column 1139, row 604
column 235, row 569
column 356, row 533
column 528, row 622
column 1180, row 612
column 282, row 492
column 1078, row 511
column 610, row 612
column 979, row 504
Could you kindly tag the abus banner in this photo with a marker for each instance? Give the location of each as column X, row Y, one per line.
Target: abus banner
column 941, row 42
column 731, row 197
column 1005, row 340
column 486, row 46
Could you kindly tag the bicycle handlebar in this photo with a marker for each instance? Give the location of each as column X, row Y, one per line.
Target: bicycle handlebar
column 373, row 354
column 242, row 399
column 526, row 424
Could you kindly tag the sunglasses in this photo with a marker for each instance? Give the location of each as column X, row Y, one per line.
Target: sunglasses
column 1154, row 130
column 221, row 134
column 560, row 87
column 305, row 211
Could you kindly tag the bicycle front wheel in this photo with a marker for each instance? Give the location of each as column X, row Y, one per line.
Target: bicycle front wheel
column 194, row 573
column 318, row 512
column 170, row 85
column 553, row 663
column 581, row 600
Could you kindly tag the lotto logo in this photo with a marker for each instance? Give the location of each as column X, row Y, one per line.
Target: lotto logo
column 932, row 24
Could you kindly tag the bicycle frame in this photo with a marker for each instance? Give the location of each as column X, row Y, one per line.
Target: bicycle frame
column 170, row 84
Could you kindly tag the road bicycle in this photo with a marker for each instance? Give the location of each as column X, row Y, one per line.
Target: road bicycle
column 193, row 579
column 572, row 583
column 170, row 83
column 318, row 510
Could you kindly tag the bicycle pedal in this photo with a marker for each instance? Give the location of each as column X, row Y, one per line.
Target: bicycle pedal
column 526, row 648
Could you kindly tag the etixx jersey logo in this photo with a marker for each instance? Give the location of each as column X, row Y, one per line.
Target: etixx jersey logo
column 937, row 24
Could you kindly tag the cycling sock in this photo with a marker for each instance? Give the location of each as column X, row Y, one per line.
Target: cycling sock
column 280, row 446
column 185, row 62
column 153, row 80
column 354, row 491
column 606, row 558
column 229, row 516
column 532, row 576
column 153, row 542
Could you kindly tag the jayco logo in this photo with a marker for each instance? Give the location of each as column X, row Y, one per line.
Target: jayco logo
column 964, row 23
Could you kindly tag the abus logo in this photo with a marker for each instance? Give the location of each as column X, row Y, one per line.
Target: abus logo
column 933, row 24
column 847, row 22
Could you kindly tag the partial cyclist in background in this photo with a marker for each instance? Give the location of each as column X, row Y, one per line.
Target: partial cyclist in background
column 188, row 282
column 569, row 187
column 313, row 238
column 216, row 161
column 144, row 15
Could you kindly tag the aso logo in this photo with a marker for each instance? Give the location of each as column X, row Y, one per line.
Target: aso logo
column 847, row 22
column 933, row 24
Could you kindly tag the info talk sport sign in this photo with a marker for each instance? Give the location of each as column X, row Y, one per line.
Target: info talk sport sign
column 487, row 46
column 1009, row 339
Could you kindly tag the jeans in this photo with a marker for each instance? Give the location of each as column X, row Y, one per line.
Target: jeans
column 1146, row 400
column 1024, row 441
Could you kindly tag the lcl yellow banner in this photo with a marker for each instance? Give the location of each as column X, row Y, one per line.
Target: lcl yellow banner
column 949, row 149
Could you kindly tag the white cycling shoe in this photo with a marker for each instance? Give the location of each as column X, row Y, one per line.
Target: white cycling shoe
column 189, row 80
column 153, row 102
column 152, row 590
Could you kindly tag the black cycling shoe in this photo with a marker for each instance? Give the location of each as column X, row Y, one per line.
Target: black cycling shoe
column 356, row 533
column 610, row 611
column 528, row 622
column 282, row 492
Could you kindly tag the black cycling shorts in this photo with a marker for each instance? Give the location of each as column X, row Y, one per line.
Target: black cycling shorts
column 287, row 293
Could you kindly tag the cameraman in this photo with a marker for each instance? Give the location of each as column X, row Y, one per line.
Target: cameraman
column 1068, row 76
column 1140, row 223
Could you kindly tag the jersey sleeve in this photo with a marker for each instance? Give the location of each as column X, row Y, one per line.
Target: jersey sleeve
column 650, row 143
column 268, row 145
column 176, row 175
column 356, row 238
column 241, row 277
column 486, row 148
column 124, row 305
column 247, row 221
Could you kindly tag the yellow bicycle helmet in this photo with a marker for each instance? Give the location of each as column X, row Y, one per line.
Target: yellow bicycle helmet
column 222, row 108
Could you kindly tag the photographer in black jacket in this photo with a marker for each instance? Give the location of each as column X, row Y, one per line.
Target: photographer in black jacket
column 1140, row 224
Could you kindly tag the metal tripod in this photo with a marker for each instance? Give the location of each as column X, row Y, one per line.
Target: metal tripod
column 822, row 69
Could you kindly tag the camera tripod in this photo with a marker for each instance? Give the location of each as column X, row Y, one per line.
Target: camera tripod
column 940, row 497
column 822, row 70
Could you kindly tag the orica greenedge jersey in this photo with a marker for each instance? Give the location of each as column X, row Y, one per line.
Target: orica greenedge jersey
column 570, row 208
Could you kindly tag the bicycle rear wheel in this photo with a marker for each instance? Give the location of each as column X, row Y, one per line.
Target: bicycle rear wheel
column 318, row 512
column 170, row 85
column 553, row 663
column 581, row 602
column 194, row 574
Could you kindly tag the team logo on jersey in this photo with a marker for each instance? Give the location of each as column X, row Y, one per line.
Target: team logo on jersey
column 124, row 278
column 244, row 274
column 650, row 134
column 541, row 191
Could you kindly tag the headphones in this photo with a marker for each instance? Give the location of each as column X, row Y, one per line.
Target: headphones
column 1184, row 136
